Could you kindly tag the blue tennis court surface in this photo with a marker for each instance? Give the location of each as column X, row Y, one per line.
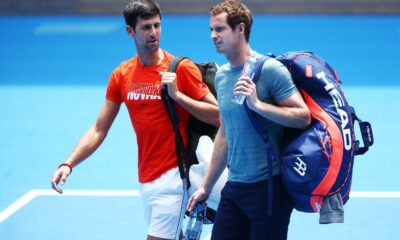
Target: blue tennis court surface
column 53, row 73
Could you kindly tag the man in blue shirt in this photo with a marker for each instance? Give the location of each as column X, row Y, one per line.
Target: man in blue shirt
column 243, row 208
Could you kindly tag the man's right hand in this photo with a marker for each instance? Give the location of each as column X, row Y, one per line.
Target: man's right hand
column 60, row 176
column 199, row 196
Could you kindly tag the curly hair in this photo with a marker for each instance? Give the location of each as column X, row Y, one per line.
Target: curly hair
column 237, row 13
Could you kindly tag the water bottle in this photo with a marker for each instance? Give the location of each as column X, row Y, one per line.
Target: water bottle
column 247, row 71
column 195, row 223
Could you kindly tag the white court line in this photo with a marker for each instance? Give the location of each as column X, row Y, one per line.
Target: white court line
column 88, row 193
column 374, row 194
column 29, row 196
column 32, row 194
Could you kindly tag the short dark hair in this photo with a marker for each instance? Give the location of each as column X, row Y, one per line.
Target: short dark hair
column 143, row 9
column 237, row 13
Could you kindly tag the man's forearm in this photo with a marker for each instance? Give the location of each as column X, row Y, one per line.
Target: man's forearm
column 218, row 162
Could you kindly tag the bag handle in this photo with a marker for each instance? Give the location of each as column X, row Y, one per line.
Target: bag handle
column 366, row 134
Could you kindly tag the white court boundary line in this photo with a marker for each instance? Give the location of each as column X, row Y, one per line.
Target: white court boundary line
column 32, row 194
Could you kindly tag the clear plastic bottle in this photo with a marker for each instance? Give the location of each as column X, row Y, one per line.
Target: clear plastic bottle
column 195, row 223
column 247, row 71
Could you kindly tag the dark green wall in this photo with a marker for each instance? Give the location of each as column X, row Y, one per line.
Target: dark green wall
column 112, row 7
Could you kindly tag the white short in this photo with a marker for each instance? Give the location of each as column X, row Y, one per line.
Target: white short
column 164, row 205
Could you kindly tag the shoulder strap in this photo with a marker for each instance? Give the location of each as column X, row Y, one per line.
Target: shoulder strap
column 181, row 153
column 262, row 130
column 168, row 101
column 175, row 63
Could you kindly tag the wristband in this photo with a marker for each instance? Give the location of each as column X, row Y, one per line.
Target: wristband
column 67, row 165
